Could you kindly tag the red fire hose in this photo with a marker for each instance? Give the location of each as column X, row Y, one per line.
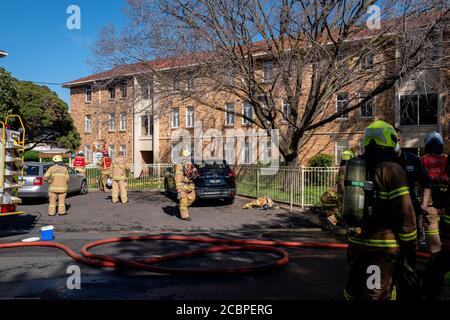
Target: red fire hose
column 219, row 245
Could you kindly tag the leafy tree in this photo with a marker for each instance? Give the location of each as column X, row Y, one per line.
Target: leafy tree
column 46, row 117
column 8, row 94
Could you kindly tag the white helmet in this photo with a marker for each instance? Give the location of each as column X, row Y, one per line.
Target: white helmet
column 109, row 183
column 186, row 153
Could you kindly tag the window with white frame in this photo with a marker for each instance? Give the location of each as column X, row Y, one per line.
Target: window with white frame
column 342, row 103
column 175, row 118
column 248, row 112
column 246, row 152
column 123, row 149
column 123, row 121
column 419, row 109
column 286, row 111
column 190, row 81
column 112, row 122
column 366, row 110
column 340, row 146
column 367, row 61
column 112, row 151
column 189, row 117
column 146, row 125
column 88, row 94
column 87, row 123
column 88, row 152
column 112, row 92
column 267, row 70
column 147, row 89
column 229, row 114
column 123, row 91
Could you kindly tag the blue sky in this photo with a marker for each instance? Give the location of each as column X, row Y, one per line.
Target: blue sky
column 41, row 47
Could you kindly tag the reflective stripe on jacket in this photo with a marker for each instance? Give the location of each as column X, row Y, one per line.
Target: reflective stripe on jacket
column 57, row 177
column 119, row 169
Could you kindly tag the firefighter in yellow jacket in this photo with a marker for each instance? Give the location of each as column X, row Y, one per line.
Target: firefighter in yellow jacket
column 382, row 250
column 185, row 173
column 57, row 177
column 119, row 169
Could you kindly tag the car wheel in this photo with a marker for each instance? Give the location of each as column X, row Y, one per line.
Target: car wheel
column 84, row 187
column 229, row 200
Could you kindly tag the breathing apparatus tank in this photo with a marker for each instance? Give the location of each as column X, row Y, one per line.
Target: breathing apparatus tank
column 355, row 186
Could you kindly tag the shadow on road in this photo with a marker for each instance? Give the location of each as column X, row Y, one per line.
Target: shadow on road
column 19, row 224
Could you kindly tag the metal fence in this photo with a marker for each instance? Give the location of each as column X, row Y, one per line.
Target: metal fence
column 140, row 177
column 299, row 186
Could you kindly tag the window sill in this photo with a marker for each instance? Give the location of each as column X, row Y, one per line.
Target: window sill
column 125, row 130
column 111, row 131
column 229, row 125
column 87, row 132
column 88, row 102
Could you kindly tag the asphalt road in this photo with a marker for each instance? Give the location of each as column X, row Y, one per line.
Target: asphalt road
column 41, row 273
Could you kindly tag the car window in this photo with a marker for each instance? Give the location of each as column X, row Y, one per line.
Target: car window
column 30, row 170
column 46, row 168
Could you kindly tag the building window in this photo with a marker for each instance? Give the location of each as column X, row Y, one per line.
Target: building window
column 87, row 152
column 146, row 125
column 190, row 117
column 229, row 114
column 112, row 92
column 367, row 61
column 123, row 91
column 123, row 121
column 366, row 110
column 87, row 124
column 112, row 121
column 267, row 70
column 286, row 111
column 247, row 152
column 419, row 109
column 248, row 112
column 190, row 81
column 175, row 117
column 123, row 149
column 342, row 103
column 112, row 151
column 88, row 94
column 175, row 82
column 340, row 146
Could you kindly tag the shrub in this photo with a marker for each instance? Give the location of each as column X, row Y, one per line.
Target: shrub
column 31, row 155
column 321, row 160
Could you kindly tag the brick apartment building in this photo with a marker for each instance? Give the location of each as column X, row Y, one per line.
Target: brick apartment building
column 108, row 113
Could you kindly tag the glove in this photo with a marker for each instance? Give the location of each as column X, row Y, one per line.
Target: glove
column 407, row 279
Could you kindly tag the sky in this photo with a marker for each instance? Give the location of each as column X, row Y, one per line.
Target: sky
column 41, row 48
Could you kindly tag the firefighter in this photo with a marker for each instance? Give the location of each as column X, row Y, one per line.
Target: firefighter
column 79, row 162
column 387, row 226
column 57, row 177
column 119, row 171
column 185, row 173
column 105, row 167
column 417, row 176
column 331, row 200
column 435, row 163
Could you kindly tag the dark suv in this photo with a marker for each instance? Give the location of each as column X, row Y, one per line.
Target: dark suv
column 216, row 180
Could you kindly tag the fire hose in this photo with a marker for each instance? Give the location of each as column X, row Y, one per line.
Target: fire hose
column 218, row 245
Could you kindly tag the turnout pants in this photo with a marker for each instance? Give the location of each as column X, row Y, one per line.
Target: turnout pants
column 431, row 227
column 186, row 199
column 362, row 282
column 119, row 186
column 56, row 197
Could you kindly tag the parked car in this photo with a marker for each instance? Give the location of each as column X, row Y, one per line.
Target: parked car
column 35, row 187
column 216, row 180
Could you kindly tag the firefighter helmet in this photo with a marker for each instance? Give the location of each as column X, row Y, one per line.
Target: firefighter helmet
column 80, row 153
column 347, row 155
column 109, row 183
column 186, row 153
column 57, row 158
column 434, row 144
column 381, row 134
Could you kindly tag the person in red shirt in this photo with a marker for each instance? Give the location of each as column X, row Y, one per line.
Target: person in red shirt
column 105, row 167
column 79, row 163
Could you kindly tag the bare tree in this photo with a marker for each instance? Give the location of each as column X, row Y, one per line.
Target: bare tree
column 304, row 51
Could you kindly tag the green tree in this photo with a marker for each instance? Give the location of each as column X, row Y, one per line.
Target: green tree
column 46, row 116
column 8, row 94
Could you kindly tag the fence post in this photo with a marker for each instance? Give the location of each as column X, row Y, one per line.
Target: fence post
column 291, row 186
column 303, row 185
column 257, row 182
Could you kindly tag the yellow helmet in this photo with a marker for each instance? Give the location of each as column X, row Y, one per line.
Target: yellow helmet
column 186, row 153
column 381, row 133
column 57, row 158
column 347, row 155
